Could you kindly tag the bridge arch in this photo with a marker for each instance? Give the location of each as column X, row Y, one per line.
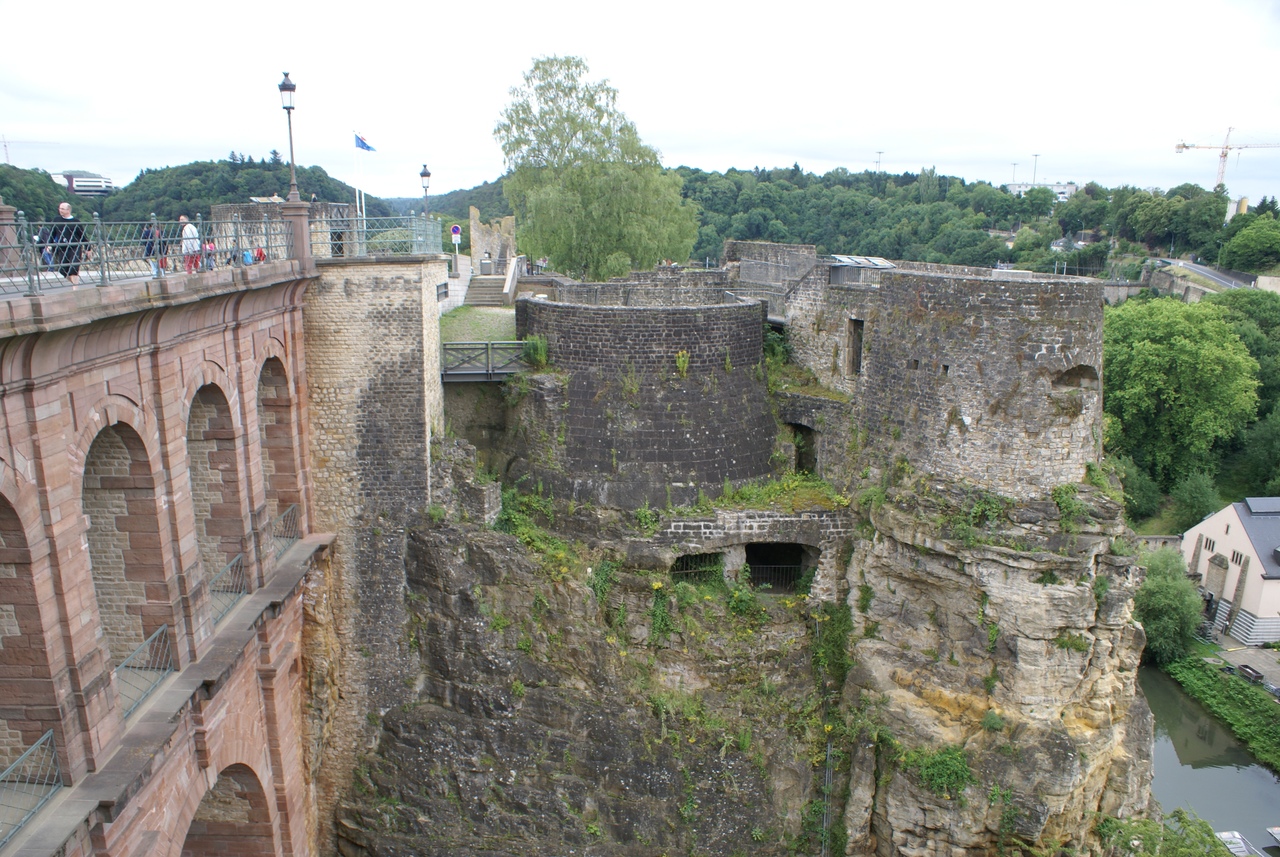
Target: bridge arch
column 27, row 692
column 277, row 430
column 214, row 469
column 232, row 819
column 121, row 502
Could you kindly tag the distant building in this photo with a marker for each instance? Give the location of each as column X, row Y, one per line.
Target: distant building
column 1235, row 554
column 1063, row 191
column 84, row 183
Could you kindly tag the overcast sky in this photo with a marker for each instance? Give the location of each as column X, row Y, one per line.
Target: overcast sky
column 1099, row 90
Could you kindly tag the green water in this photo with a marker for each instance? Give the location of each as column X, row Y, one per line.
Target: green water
column 1200, row 765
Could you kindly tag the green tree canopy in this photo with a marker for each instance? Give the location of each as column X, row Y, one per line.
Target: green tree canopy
column 1256, row 247
column 1168, row 607
column 586, row 191
column 1178, row 380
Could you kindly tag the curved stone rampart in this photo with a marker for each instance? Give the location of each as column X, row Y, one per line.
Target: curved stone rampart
column 656, row 404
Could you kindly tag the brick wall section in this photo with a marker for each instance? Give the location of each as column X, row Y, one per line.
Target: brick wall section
column 639, row 295
column 624, row 427
column 762, row 251
column 993, row 380
column 276, row 434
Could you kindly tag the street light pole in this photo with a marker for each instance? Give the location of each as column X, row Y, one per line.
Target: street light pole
column 425, row 175
column 287, row 88
column 1034, row 165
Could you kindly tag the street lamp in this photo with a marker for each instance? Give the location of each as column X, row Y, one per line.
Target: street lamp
column 1034, row 165
column 287, row 88
column 425, row 175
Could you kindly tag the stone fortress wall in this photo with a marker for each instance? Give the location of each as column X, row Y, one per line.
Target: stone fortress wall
column 988, row 376
column 635, row 422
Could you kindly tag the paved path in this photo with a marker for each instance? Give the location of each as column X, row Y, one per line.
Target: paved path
column 1265, row 661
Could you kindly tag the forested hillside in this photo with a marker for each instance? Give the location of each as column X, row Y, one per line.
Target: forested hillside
column 168, row 192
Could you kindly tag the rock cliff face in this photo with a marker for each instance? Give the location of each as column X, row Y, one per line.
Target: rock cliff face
column 971, row 688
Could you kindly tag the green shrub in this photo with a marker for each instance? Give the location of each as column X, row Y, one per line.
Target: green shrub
column 992, row 722
column 1071, row 642
column 865, row 595
column 1070, row 507
column 831, row 658
column 944, row 771
column 535, row 352
column 601, row 579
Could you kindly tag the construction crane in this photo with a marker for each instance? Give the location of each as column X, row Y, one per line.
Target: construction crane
column 1226, row 147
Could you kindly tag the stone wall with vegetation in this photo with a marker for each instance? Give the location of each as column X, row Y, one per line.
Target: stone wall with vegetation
column 993, row 380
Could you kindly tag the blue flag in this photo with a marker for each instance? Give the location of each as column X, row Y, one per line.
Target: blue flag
column 361, row 144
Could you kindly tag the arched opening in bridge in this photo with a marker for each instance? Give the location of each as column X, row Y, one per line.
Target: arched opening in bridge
column 233, row 819
column 215, row 493
column 276, row 433
column 698, row 568
column 805, row 440
column 121, row 503
column 27, row 686
column 780, row 568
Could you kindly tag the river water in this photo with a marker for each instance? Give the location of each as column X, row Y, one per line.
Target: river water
column 1200, row 765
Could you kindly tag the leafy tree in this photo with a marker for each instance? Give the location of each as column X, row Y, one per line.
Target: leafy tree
column 37, row 195
column 1260, row 457
column 1256, row 247
column 1142, row 495
column 1168, row 606
column 1255, row 317
column 587, row 193
column 1178, row 380
column 1193, row 497
column 1267, row 205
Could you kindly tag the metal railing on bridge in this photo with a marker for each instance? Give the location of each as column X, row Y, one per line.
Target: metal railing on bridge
column 403, row 235
column 480, row 361
column 27, row 785
column 283, row 531
column 141, row 673
column 228, row 587
column 39, row 255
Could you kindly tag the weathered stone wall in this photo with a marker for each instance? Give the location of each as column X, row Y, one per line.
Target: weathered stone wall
column 374, row 384
column 622, row 425
column 675, row 277
column 496, row 238
column 763, row 251
column 638, row 294
column 993, row 380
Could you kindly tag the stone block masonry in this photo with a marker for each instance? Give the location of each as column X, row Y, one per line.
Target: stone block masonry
column 993, row 380
column 656, row 403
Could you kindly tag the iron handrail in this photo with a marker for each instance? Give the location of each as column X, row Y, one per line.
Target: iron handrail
column 39, row 255
column 227, row 587
column 141, row 673
column 27, row 785
column 283, row 531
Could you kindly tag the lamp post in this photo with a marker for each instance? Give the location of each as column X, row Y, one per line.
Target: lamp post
column 1034, row 165
column 425, row 175
column 287, row 88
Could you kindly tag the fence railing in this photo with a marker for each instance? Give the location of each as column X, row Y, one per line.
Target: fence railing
column 141, row 673
column 405, row 235
column 27, row 785
column 227, row 587
column 38, row 255
column 283, row 531
column 478, row 361
column 775, row 300
column 775, row 578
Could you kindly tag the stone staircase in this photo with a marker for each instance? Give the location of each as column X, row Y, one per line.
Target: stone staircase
column 486, row 290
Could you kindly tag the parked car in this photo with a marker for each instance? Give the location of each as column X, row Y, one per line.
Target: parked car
column 1249, row 674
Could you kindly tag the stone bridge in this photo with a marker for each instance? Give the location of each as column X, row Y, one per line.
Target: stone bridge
column 158, row 546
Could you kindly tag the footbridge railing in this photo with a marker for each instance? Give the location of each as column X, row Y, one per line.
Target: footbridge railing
column 27, row 785
column 480, row 361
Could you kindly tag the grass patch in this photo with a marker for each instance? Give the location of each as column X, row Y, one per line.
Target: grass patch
column 788, row 493
column 944, row 772
column 478, row 324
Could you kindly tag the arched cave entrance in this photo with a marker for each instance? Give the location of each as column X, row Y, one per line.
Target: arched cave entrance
column 779, row 568
column 232, row 818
